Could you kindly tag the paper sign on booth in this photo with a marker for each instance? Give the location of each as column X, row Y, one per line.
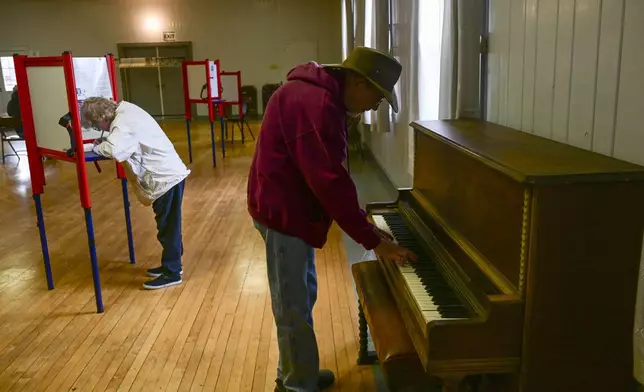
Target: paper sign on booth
column 92, row 78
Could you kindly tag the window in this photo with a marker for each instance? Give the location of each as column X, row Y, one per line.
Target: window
column 368, row 23
column 8, row 72
column 344, row 29
column 368, row 40
column 430, row 30
column 393, row 50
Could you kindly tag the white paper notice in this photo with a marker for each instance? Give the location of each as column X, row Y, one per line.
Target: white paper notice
column 214, row 86
column 92, row 78
column 92, row 133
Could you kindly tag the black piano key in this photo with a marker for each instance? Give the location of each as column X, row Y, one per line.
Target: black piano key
column 448, row 304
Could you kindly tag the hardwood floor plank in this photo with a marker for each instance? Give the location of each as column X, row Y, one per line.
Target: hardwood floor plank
column 262, row 370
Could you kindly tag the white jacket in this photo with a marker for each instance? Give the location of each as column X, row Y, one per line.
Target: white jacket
column 137, row 139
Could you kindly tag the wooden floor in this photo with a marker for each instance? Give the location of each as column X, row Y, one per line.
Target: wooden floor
column 215, row 332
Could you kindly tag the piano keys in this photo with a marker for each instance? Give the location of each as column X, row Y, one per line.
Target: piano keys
column 520, row 241
column 432, row 295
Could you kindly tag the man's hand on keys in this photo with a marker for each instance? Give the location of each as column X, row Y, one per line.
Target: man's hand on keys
column 390, row 251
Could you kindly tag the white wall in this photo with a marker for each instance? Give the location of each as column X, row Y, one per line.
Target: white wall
column 570, row 70
column 247, row 35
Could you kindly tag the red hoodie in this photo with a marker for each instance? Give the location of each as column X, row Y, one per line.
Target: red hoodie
column 297, row 184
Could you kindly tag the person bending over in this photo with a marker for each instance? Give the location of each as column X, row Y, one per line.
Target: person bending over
column 298, row 185
column 152, row 164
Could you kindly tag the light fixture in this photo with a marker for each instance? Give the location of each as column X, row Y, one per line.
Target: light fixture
column 152, row 23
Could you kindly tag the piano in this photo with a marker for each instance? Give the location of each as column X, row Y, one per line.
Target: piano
column 529, row 252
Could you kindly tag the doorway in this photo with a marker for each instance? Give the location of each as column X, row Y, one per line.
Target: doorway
column 151, row 76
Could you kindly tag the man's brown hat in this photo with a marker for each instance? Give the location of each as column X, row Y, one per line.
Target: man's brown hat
column 378, row 67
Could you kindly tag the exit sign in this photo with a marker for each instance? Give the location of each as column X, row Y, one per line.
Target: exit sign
column 169, row 36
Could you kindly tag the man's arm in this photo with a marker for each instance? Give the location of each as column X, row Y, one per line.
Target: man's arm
column 318, row 154
column 120, row 144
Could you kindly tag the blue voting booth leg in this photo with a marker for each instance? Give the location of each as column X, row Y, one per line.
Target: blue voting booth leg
column 92, row 254
column 189, row 140
column 128, row 220
column 43, row 242
column 212, row 141
column 222, row 122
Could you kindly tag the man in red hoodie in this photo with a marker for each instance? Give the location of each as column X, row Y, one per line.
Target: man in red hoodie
column 298, row 185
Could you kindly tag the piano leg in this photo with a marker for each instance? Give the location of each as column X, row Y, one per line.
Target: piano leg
column 364, row 356
column 458, row 384
column 500, row 383
column 462, row 384
column 452, row 384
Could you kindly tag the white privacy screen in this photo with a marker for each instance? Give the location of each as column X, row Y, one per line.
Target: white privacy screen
column 48, row 105
column 229, row 84
column 197, row 79
column 92, row 78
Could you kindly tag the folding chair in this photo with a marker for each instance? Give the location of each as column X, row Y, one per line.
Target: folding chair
column 10, row 136
column 240, row 121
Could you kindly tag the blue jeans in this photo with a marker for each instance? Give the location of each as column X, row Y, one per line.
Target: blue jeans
column 293, row 284
column 167, row 210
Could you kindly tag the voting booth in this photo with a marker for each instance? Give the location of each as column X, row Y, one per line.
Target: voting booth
column 51, row 92
column 202, row 85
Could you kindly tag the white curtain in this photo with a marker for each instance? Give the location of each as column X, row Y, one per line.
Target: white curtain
column 381, row 118
column 417, row 45
column 461, row 25
column 449, row 59
column 407, row 50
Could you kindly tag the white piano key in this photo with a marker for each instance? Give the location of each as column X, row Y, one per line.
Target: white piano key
column 380, row 223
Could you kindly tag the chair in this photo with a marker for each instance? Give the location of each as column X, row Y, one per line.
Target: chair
column 240, row 121
column 10, row 136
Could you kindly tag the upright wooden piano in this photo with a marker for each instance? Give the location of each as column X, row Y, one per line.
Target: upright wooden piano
column 529, row 252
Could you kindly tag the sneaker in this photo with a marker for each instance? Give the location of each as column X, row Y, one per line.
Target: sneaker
column 325, row 381
column 158, row 271
column 163, row 281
